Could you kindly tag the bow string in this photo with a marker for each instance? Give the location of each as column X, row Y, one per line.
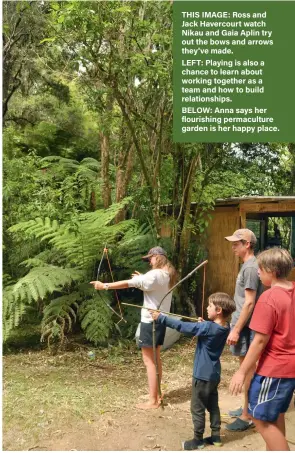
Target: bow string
column 105, row 253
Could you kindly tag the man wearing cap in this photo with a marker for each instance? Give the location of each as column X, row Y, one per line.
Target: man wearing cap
column 247, row 291
column 155, row 284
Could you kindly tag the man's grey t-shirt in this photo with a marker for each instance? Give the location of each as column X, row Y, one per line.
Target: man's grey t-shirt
column 247, row 279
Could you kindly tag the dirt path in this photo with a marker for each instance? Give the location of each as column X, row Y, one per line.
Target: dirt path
column 67, row 403
column 158, row 430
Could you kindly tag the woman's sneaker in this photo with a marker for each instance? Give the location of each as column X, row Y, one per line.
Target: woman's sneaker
column 193, row 444
column 213, row 440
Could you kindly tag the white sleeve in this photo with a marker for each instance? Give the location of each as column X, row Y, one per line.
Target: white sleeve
column 145, row 282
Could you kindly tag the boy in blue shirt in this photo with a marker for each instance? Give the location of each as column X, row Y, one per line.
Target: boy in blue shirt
column 212, row 337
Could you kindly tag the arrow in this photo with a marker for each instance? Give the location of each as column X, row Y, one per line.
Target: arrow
column 160, row 311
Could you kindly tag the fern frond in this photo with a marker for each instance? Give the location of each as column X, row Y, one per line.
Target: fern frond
column 7, row 280
column 62, row 162
column 59, row 316
column 41, row 281
column 13, row 310
column 35, row 228
column 88, row 165
column 49, row 159
column 79, row 242
column 33, row 262
column 96, row 318
column 91, row 163
column 43, row 258
column 135, row 243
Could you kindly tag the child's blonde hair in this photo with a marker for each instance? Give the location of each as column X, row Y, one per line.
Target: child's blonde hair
column 277, row 261
column 223, row 301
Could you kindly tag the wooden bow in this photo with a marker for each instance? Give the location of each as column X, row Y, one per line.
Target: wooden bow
column 105, row 252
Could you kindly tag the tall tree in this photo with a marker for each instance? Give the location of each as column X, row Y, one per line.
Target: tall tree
column 24, row 24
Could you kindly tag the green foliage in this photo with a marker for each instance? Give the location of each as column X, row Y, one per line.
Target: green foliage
column 137, row 240
column 25, row 336
column 78, row 243
column 44, row 280
column 132, row 318
column 78, row 240
column 96, row 318
column 35, row 286
column 58, row 317
column 24, row 25
column 12, row 312
column 17, row 168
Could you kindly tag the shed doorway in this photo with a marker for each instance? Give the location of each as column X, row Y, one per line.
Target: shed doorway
column 273, row 231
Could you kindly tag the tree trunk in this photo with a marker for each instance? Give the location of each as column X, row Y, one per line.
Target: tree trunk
column 185, row 234
column 144, row 168
column 92, row 205
column 105, row 160
column 123, row 176
column 105, row 155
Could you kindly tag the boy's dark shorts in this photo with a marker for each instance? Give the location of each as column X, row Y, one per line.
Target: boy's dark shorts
column 269, row 397
column 146, row 335
column 241, row 348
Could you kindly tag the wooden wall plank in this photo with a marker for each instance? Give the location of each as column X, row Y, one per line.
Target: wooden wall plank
column 223, row 265
column 292, row 275
column 268, row 207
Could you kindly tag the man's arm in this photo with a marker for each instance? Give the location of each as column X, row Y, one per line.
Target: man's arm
column 250, row 297
column 256, row 348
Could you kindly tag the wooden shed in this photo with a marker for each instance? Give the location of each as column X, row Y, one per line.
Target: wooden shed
column 231, row 214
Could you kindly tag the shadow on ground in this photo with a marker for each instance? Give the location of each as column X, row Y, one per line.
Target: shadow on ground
column 180, row 395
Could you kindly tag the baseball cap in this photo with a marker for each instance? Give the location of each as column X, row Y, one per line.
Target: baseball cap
column 242, row 235
column 154, row 251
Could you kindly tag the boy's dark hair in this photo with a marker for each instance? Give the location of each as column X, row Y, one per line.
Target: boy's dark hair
column 223, row 301
column 277, row 261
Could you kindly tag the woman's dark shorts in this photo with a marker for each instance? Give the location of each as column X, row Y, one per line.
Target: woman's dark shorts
column 146, row 335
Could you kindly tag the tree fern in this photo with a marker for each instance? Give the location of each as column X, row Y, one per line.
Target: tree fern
column 33, row 262
column 136, row 242
column 88, row 166
column 80, row 241
column 43, row 280
column 47, row 256
column 12, row 311
column 76, row 246
column 36, row 228
column 58, row 317
column 96, row 318
column 35, row 286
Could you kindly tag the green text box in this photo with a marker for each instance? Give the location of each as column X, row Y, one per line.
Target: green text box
column 278, row 97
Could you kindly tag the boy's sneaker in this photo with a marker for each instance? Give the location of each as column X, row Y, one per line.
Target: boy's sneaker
column 193, row 444
column 213, row 440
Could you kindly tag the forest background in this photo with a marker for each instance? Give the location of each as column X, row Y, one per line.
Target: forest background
column 88, row 160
